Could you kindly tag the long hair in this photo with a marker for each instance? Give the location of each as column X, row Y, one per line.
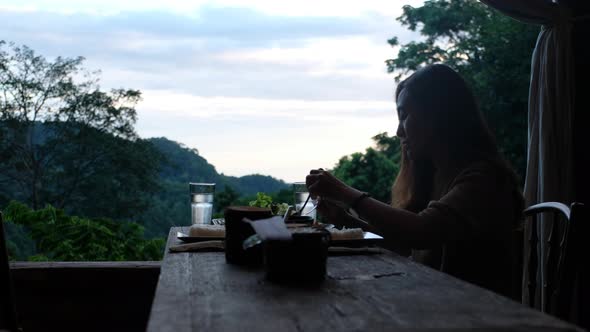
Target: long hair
column 443, row 95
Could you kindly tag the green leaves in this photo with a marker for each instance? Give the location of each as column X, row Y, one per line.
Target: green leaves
column 64, row 140
column 225, row 198
column 266, row 201
column 373, row 171
column 262, row 200
column 59, row 237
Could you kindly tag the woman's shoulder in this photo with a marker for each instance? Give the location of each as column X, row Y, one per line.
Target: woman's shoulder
column 483, row 193
column 489, row 180
column 490, row 171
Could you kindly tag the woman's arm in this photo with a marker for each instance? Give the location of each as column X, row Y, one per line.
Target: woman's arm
column 400, row 226
column 397, row 225
column 335, row 214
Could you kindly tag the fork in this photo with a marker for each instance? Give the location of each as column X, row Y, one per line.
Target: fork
column 218, row 221
column 317, row 203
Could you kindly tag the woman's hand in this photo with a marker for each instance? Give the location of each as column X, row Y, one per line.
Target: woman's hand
column 321, row 183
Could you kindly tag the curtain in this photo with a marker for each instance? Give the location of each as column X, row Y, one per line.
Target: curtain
column 549, row 175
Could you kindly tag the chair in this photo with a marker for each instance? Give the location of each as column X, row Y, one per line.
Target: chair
column 565, row 272
column 7, row 312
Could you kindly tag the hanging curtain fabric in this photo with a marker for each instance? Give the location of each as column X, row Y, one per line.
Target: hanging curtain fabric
column 549, row 175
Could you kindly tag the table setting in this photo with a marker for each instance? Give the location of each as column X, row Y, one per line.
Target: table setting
column 209, row 234
column 259, row 270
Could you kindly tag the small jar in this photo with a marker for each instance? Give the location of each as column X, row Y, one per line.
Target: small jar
column 201, row 202
column 301, row 260
column 237, row 230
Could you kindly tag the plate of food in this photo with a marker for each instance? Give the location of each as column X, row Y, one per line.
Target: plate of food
column 198, row 233
column 345, row 237
column 353, row 238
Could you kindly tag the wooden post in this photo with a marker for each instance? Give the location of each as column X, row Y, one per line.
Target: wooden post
column 7, row 312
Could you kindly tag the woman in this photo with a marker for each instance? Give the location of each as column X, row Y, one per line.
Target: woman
column 456, row 201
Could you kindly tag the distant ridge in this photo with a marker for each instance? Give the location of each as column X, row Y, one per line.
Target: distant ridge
column 183, row 164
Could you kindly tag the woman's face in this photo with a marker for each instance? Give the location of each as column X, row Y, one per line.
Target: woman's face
column 414, row 128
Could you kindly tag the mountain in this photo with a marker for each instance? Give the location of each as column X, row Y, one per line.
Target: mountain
column 94, row 174
column 254, row 183
column 181, row 165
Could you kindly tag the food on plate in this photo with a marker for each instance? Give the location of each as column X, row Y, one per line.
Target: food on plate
column 207, row 231
column 346, row 234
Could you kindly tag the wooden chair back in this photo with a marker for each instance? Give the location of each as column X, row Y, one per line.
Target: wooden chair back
column 7, row 312
column 564, row 260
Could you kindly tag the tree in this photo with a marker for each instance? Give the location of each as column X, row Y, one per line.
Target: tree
column 284, row 196
column 67, row 143
column 59, row 237
column 373, row 171
column 490, row 50
column 225, row 198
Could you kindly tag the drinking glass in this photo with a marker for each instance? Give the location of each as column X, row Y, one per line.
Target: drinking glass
column 301, row 194
column 201, row 202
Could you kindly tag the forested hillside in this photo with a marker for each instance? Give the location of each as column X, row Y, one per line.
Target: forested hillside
column 169, row 206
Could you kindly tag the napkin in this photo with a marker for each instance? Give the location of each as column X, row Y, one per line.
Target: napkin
column 216, row 245
column 271, row 229
column 199, row 230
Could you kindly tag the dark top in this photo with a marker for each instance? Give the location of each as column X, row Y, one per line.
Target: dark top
column 480, row 210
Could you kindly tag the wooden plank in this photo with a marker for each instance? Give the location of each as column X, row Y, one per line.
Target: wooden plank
column 86, row 265
column 199, row 291
column 7, row 307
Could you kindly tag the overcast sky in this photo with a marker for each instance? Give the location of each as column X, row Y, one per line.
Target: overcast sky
column 269, row 87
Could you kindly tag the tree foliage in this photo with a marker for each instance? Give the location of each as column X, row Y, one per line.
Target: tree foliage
column 490, row 50
column 60, row 237
column 374, row 170
column 67, row 143
column 34, row 89
column 225, row 198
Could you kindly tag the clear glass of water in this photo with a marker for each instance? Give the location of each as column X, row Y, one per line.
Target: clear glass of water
column 201, row 202
column 301, row 193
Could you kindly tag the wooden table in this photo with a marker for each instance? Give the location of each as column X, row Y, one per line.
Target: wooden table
column 384, row 292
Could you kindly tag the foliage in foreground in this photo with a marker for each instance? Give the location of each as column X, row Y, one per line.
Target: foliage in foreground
column 59, row 237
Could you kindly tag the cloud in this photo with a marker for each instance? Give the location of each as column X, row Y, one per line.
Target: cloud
column 285, row 138
column 221, row 52
column 223, row 78
column 163, row 41
column 154, row 32
column 307, row 8
column 186, row 105
column 227, row 26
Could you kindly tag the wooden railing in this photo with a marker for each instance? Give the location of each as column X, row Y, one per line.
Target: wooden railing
column 84, row 296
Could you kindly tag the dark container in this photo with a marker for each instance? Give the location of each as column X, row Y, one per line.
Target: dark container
column 237, row 230
column 300, row 219
column 299, row 261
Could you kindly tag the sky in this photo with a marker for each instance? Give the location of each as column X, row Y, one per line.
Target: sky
column 260, row 86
